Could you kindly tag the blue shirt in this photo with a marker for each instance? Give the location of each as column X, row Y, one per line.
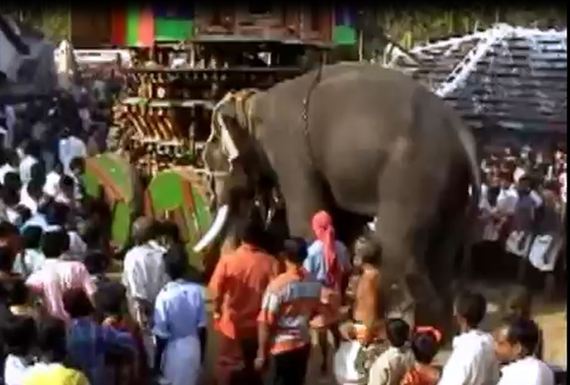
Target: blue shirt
column 179, row 310
column 87, row 344
column 315, row 261
column 36, row 220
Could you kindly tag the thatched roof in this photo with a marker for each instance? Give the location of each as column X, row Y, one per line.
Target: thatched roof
column 506, row 77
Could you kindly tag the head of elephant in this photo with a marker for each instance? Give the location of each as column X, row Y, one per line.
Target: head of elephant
column 235, row 163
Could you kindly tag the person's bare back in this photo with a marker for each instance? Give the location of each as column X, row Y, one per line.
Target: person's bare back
column 367, row 304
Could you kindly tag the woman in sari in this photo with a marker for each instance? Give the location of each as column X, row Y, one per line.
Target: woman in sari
column 328, row 261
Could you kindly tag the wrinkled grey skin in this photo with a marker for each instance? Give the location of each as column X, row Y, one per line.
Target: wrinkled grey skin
column 380, row 145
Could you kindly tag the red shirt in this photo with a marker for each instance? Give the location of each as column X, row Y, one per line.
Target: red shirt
column 238, row 284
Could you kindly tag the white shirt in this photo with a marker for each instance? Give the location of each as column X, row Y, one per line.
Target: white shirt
column 5, row 169
column 391, row 366
column 77, row 248
column 143, row 272
column 12, row 215
column 563, row 188
column 26, row 200
column 507, row 200
column 26, row 168
column 472, row 362
column 528, row 371
column 10, row 122
column 15, row 369
column 51, row 187
column 69, row 148
column 518, row 174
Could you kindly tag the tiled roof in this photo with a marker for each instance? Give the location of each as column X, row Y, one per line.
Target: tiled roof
column 506, row 77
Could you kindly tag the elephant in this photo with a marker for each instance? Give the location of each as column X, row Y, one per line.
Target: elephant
column 362, row 142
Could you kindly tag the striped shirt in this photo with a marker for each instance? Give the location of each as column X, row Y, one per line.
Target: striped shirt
column 290, row 301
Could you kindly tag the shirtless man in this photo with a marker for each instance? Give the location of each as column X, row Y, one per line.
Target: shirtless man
column 367, row 324
column 367, row 309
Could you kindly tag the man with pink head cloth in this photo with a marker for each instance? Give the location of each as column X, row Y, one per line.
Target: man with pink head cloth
column 328, row 261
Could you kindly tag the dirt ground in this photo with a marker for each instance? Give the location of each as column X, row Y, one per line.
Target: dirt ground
column 550, row 316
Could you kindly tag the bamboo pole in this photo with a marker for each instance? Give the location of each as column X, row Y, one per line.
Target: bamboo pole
column 360, row 45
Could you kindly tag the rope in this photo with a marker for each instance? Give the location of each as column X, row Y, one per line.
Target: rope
column 306, row 105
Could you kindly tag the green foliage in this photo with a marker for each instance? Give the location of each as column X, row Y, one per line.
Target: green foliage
column 413, row 26
column 53, row 21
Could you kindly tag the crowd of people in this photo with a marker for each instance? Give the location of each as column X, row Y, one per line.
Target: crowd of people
column 523, row 206
column 64, row 320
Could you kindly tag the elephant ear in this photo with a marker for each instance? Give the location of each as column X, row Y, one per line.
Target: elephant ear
column 232, row 123
column 223, row 117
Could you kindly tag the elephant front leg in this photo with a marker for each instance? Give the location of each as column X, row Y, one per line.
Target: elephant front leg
column 303, row 198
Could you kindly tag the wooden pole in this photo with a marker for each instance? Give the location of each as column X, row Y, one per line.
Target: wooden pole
column 360, row 45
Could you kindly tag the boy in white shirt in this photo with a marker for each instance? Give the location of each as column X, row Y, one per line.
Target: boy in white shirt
column 515, row 343
column 473, row 360
column 19, row 336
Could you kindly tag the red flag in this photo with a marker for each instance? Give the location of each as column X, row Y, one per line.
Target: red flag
column 118, row 26
column 146, row 27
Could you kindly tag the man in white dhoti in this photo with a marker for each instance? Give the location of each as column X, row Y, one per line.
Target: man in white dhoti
column 180, row 324
column 144, row 276
column 547, row 243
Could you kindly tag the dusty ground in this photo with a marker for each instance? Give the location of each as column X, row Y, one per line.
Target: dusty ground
column 550, row 315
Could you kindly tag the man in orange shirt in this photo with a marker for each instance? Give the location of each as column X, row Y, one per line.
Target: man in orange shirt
column 290, row 302
column 237, row 286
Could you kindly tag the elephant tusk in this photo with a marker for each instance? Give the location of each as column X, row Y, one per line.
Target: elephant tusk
column 214, row 230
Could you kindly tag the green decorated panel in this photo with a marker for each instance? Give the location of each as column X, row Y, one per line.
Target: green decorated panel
column 173, row 190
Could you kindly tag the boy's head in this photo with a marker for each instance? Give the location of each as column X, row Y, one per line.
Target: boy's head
column 19, row 334
column 176, row 262
column 57, row 214
column 77, row 165
column 111, row 299
column 295, row 251
column 96, row 262
column 35, row 189
column 32, row 237
column 12, row 181
column 38, row 172
column 397, row 332
column 370, row 253
column 11, row 157
column 517, row 338
column 170, row 230
column 144, row 229
column 253, row 231
column 425, row 345
column 77, row 304
column 519, row 303
column 469, row 310
column 54, row 243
